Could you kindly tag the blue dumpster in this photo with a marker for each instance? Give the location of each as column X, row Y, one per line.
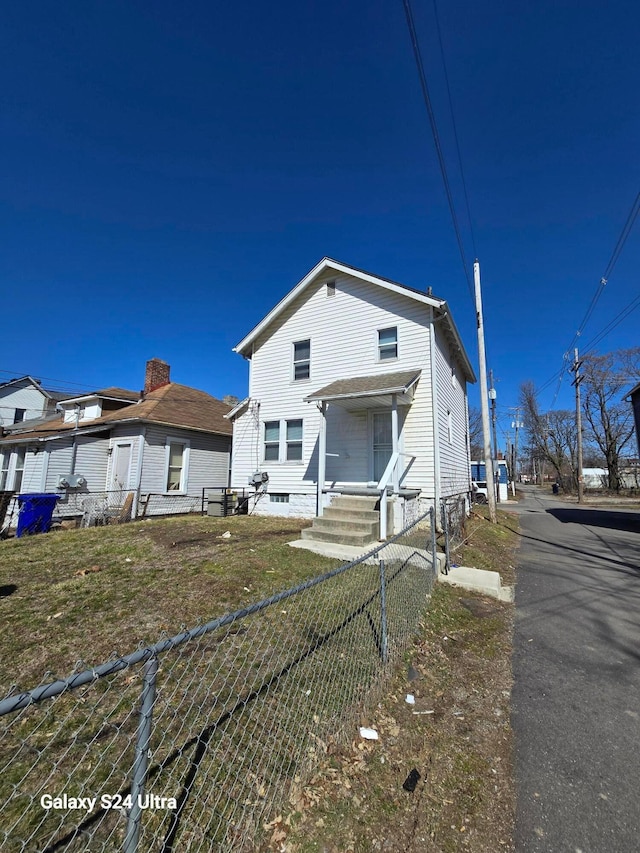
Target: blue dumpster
column 35, row 513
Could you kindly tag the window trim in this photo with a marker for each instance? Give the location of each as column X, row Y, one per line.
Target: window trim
column 385, row 346
column 301, row 362
column 19, row 416
column 278, row 497
column 184, row 472
column 271, row 443
column 5, row 465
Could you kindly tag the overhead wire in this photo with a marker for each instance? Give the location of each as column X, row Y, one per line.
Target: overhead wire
column 436, row 138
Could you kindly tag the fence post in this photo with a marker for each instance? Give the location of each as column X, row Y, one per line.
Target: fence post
column 384, row 642
column 141, row 761
column 445, row 527
column 434, row 544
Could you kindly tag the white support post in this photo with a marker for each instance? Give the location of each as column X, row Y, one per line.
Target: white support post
column 394, row 440
column 322, row 454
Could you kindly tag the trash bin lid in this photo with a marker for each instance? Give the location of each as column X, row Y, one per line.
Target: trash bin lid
column 31, row 496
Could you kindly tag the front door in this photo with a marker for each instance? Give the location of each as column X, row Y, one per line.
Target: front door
column 382, row 443
column 121, row 466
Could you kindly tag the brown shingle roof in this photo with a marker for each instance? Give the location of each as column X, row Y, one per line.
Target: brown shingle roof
column 367, row 386
column 172, row 405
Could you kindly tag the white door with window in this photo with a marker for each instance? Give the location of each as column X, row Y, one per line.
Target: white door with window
column 381, row 443
column 121, row 466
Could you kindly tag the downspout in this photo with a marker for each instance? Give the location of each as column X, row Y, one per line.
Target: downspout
column 434, row 415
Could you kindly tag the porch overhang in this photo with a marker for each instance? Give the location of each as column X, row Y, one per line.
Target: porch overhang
column 369, row 392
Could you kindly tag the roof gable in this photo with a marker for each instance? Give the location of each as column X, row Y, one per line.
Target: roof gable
column 328, row 265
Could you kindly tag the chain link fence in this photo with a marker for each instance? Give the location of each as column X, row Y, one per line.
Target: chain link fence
column 453, row 517
column 194, row 743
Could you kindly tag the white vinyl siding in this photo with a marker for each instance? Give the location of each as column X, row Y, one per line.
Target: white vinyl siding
column 345, row 344
column 208, row 464
column 452, row 419
column 21, row 397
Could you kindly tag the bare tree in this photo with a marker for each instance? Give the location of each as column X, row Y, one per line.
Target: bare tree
column 552, row 437
column 476, row 440
column 608, row 418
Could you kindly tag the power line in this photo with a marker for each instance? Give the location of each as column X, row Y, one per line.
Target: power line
column 436, row 138
column 455, row 129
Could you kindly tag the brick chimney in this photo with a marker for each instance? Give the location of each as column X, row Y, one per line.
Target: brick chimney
column 157, row 375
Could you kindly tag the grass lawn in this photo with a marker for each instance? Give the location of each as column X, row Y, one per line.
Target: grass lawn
column 81, row 595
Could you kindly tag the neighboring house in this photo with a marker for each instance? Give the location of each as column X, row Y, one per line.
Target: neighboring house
column 634, row 397
column 169, row 440
column 356, row 384
column 25, row 399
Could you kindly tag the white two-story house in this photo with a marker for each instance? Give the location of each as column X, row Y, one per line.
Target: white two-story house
column 357, row 385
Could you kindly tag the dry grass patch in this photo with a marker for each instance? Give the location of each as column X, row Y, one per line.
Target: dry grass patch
column 82, row 595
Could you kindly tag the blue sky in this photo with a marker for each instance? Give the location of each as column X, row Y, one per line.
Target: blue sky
column 171, row 170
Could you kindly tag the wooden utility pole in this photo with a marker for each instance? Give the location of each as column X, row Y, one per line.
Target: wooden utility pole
column 576, row 382
column 484, row 400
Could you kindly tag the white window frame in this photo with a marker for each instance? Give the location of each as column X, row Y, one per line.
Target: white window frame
column 297, row 441
column 450, row 426
column 184, row 473
column 271, row 443
column 278, row 498
column 5, row 464
column 301, row 362
column 386, row 346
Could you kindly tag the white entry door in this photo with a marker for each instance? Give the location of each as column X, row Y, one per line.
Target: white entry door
column 121, row 466
column 382, row 443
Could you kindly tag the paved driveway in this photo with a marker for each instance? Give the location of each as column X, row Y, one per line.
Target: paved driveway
column 576, row 697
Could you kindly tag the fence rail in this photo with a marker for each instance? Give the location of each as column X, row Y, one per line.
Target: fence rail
column 191, row 744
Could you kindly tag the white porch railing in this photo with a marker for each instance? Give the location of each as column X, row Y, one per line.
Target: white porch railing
column 389, row 472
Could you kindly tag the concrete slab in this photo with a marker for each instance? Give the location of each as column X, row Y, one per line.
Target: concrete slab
column 474, row 580
column 478, row 580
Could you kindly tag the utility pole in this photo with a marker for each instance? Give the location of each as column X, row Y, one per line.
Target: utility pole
column 492, row 397
column 484, row 400
column 576, row 369
column 517, row 425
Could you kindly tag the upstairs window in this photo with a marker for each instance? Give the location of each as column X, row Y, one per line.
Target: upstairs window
column 387, row 343
column 294, row 441
column 301, row 360
column 19, row 416
column 331, row 288
column 271, row 441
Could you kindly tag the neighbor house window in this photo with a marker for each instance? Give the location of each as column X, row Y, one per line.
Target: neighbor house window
column 271, row 441
column 301, row 359
column 294, row 441
column 278, row 499
column 177, row 459
column 387, row 343
column 4, row 470
column 18, row 471
column 19, row 416
column 331, row 288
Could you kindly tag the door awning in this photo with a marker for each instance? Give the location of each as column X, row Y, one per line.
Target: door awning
column 369, row 392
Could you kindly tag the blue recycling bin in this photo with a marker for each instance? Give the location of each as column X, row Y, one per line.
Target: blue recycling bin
column 35, row 513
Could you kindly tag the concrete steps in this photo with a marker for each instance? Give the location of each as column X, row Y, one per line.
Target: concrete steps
column 350, row 520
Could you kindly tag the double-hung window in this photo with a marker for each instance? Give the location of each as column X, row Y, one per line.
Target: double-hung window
column 387, row 343
column 4, row 469
column 18, row 471
column 177, row 465
column 294, row 441
column 301, row 360
column 272, row 441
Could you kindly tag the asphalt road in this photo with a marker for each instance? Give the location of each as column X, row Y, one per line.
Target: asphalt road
column 576, row 696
